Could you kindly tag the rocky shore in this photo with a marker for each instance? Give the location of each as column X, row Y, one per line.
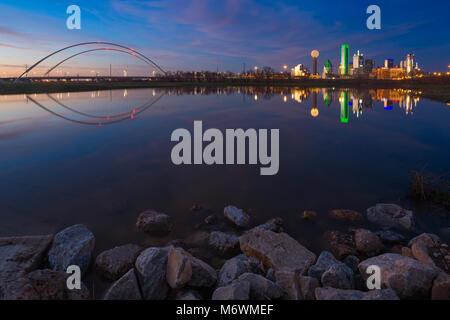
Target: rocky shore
column 236, row 262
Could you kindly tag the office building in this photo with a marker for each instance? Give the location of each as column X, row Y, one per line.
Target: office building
column 344, row 68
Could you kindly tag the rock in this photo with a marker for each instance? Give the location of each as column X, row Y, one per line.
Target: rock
column 203, row 275
column 428, row 240
column 274, row 225
column 429, row 249
column 114, row 263
column 391, row 215
column 179, row 268
column 21, row 255
column 43, row 285
column 151, row 266
column 288, row 280
column 210, row 219
column 126, row 288
column 407, row 252
column 154, row 222
column 339, row 294
column 72, row 246
column 308, row 215
column 237, row 216
column 262, row 288
column 308, row 286
column 368, row 243
column 237, row 290
column 441, row 287
column 197, row 207
column 237, row 266
column 391, row 237
column 420, row 252
column 346, row 215
column 324, row 262
column 225, row 243
column 270, row 274
column 338, row 276
column 352, row 262
column 409, row 278
column 188, row 295
column 341, row 244
column 277, row 251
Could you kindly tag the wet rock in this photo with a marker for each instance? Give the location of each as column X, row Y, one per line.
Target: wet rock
column 352, row 262
column 277, row 251
column 274, row 225
column 114, row 263
column 341, row 244
column 237, row 216
column 151, row 266
column 237, row 290
column 324, row 262
column 441, row 287
column 408, row 277
column 237, row 266
column 391, row 215
column 308, row 215
column 179, row 268
column 262, row 288
column 72, row 246
column 126, row 288
column 224, row 243
column 203, row 275
column 346, row 215
column 368, row 243
column 308, row 286
column 338, row 276
column 20, row 255
column 339, row 294
column 154, row 222
column 188, row 295
column 391, row 237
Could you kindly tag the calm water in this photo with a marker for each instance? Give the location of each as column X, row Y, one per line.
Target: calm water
column 100, row 158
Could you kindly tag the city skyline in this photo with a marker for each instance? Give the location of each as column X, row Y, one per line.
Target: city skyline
column 223, row 35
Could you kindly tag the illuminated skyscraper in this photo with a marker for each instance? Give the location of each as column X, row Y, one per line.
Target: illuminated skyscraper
column 315, row 55
column 389, row 63
column 358, row 60
column 328, row 68
column 344, row 60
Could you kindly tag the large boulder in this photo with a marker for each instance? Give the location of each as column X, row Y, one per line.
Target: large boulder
column 224, row 243
column 154, row 222
column 237, row 266
column 237, row 290
column 262, row 288
column 19, row 256
column 408, row 277
column 391, row 215
column 179, row 268
column 203, row 275
column 324, row 262
column 368, row 243
column 429, row 249
column 339, row 294
column 275, row 225
column 72, row 246
column 114, row 263
column 338, row 276
column 340, row 244
column 289, row 281
column 237, row 216
column 346, row 215
column 308, row 286
column 277, row 251
column 151, row 266
column 126, row 288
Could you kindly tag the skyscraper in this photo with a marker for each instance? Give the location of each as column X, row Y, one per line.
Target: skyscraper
column 358, row 60
column 344, row 60
column 328, row 67
column 389, row 63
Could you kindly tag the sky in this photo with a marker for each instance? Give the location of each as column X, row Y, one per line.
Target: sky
column 200, row 35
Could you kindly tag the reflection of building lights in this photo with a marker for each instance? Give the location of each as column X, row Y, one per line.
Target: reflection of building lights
column 314, row 112
column 256, row 97
column 285, row 99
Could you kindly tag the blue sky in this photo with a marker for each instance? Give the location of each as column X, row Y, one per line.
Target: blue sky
column 204, row 34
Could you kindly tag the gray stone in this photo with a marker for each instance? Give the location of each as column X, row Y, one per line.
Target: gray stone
column 151, row 266
column 277, row 251
column 179, row 268
column 274, row 225
column 346, row 215
column 19, row 256
column 203, row 275
column 224, row 243
column 114, row 263
column 270, row 274
column 408, row 277
column 389, row 236
column 288, row 280
column 262, row 288
column 237, row 266
column 339, row 294
column 340, row 244
column 237, row 216
column 308, row 286
column 188, row 295
column 72, row 246
column 368, row 243
column 237, row 290
column 338, row 276
column 324, row 262
column 352, row 262
column 126, row 288
column 154, row 222
column 391, row 215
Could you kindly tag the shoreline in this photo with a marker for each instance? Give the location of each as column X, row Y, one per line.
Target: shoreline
column 433, row 89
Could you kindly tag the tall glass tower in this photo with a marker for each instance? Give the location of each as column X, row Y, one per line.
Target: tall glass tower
column 344, row 59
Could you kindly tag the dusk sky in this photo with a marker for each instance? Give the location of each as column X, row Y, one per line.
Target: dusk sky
column 203, row 34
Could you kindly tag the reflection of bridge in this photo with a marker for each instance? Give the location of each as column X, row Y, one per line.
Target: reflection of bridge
column 123, row 49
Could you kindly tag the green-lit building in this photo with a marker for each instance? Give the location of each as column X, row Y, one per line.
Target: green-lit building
column 344, row 100
column 344, row 60
column 328, row 67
